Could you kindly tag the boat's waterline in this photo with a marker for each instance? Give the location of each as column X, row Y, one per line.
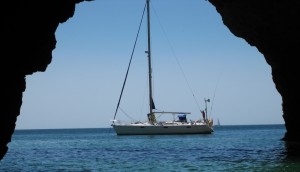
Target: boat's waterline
column 161, row 129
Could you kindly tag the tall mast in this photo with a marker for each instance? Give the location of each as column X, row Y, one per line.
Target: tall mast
column 149, row 60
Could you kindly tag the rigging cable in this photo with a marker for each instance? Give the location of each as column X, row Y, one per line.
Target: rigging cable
column 126, row 114
column 173, row 52
column 212, row 103
column 129, row 62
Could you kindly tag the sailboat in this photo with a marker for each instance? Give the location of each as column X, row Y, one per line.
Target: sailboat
column 218, row 123
column 154, row 127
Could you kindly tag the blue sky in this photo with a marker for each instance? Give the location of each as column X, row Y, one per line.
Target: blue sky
column 193, row 52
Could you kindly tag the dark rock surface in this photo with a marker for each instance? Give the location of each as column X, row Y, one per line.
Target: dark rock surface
column 274, row 28
column 28, row 34
column 28, row 39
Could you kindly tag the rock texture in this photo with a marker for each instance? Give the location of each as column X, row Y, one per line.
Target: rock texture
column 28, row 39
column 274, row 28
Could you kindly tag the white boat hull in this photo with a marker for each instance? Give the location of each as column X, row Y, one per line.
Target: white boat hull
column 130, row 129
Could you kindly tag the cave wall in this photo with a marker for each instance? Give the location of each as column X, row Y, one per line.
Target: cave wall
column 28, row 34
column 274, row 28
column 28, row 39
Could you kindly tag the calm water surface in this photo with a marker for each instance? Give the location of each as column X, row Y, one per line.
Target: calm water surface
column 229, row 148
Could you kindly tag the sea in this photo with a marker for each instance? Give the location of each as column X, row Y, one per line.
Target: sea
column 229, row 148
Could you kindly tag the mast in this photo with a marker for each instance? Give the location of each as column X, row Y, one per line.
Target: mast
column 151, row 104
column 149, row 60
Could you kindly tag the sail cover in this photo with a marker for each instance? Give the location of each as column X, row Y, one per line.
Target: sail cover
column 152, row 104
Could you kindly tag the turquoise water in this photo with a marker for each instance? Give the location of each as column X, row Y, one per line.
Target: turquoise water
column 229, row 148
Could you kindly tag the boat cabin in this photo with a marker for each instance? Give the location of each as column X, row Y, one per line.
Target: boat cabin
column 182, row 118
